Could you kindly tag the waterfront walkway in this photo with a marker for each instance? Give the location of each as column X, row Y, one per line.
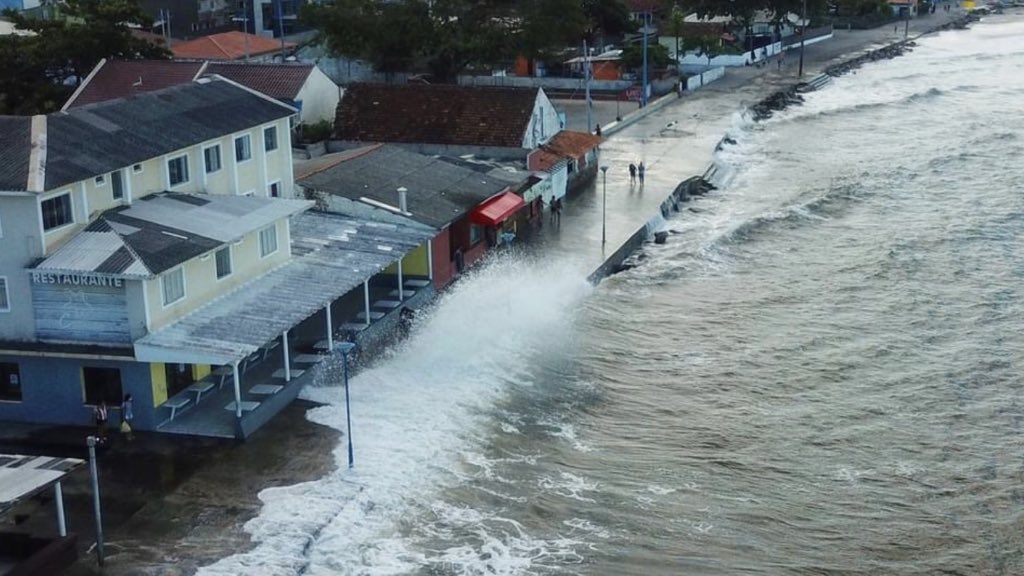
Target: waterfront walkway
column 678, row 140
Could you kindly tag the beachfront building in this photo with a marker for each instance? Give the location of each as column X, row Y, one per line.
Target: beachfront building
column 464, row 207
column 301, row 86
column 150, row 246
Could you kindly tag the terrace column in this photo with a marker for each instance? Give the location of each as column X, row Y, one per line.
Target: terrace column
column 287, row 359
column 366, row 300
column 430, row 259
column 238, row 389
column 330, row 330
column 58, row 499
column 401, row 293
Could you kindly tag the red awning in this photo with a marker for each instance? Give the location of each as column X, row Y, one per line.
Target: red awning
column 497, row 209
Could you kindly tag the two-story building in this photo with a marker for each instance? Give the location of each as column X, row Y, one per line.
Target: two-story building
column 125, row 222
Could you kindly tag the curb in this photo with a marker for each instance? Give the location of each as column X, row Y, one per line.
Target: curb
column 636, row 115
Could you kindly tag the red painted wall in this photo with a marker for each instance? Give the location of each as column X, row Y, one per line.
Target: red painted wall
column 444, row 267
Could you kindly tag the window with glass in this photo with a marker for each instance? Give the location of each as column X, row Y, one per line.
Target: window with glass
column 274, row 190
column 476, row 234
column 5, row 299
column 177, row 168
column 102, row 384
column 57, row 212
column 172, row 285
column 10, row 382
column 268, row 241
column 270, row 138
column 212, row 157
column 243, row 148
column 223, row 258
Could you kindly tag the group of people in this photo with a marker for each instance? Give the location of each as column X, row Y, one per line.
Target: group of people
column 556, row 209
column 101, row 414
column 637, row 172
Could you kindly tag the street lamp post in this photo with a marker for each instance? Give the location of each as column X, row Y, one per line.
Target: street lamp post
column 803, row 36
column 94, row 481
column 643, row 89
column 346, row 349
column 604, row 204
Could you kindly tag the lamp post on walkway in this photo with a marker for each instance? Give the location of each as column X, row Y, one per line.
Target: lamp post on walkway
column 94, row 481
column 803, row 36
column 604, row 204
column 346, row 349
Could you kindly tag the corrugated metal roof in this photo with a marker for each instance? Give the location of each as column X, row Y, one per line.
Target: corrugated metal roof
column 164, row 230
column 22, row 476
column 332, row 254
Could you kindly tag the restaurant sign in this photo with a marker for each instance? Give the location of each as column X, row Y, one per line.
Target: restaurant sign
column 76, row 280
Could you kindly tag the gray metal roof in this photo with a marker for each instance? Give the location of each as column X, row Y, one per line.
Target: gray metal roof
column 439, row 191
column 15, row 145
column 164, row 230
column 91, row 140
column 22, row 476
column 331, row 255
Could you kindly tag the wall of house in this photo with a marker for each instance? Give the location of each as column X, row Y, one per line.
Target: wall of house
column 413, row 264
column 201, row 283
column 53, row 391
column 150, row 176
column 497, row 153
column 544, row 123
column 20, row 243
column 319, row 97
column 444, row 265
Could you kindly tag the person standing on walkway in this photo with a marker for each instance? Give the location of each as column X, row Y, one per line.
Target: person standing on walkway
column 640, row 173
column 127, row 415
column 100, row 415
column 632, row 173
column 553, row 206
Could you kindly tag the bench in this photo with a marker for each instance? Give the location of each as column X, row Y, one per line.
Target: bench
column 387, row 304
column 373, row 315
column 247, row 406
column 222, row 372
column 353, row 326
column 308, row 358
column 200, row 388
column 416, row 283
column 406, row 293
column 266, row 389
column 269, row 347
column 279, row 373
column 176, row 403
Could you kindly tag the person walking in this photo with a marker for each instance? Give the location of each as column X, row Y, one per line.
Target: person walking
column 640, row 173
column 127, row 415
column 632, row 173
column 553, row 207
column 558, row 211
column 100, row 415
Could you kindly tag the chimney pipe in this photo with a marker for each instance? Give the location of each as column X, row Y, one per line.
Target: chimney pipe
column 401, row 199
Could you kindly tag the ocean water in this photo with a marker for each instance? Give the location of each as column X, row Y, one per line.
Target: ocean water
column 820, row 372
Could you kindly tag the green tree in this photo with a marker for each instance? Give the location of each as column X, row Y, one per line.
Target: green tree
column 633, row 57
column 676, row 24
column 607, row 19
column 63, row 50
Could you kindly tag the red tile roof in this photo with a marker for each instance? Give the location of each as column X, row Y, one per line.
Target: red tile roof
column 435, row 114
column 543, row 161
column 276, row 80
column 227, row 46
column 569, row 144
column 123, row 78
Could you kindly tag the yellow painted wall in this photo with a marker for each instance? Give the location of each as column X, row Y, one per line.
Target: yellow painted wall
column 201, row 284
column 158, row 378
column 200, row 371
column 415, row 263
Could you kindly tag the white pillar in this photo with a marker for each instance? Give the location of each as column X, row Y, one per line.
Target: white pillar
column 58, row 499
column 401, row 291
column 287, row 359
column 366, row 300
column 238, row 390
column 430, row 259
column 330, row 329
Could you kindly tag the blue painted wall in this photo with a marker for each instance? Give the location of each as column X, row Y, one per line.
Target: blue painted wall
column 52, row 392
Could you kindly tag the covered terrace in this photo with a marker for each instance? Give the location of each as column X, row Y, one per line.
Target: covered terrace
column 267, row 335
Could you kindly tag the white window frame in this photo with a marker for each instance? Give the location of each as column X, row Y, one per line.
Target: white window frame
column 277, row 143
column 280, row 189
column 263, row 254
column 42, row 221
column 231, row 263
column 220, row 159
column 163, row 290
column 6, row 291
column 188, row 174
column 234, row 146
column 138, row 168
column 100, row 180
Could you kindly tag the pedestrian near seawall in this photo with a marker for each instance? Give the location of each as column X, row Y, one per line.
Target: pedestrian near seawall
column 100, row 415
column 640, row 170
column 127, row 415
column 632, row 173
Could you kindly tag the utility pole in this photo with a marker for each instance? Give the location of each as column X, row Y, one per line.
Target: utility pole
column 906, row 23
column 643, row 89
column 803, row 36
column 94, row 480
column 586, row 81
column 280, row 26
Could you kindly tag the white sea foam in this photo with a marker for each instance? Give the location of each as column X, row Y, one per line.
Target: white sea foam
column 414, row 417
